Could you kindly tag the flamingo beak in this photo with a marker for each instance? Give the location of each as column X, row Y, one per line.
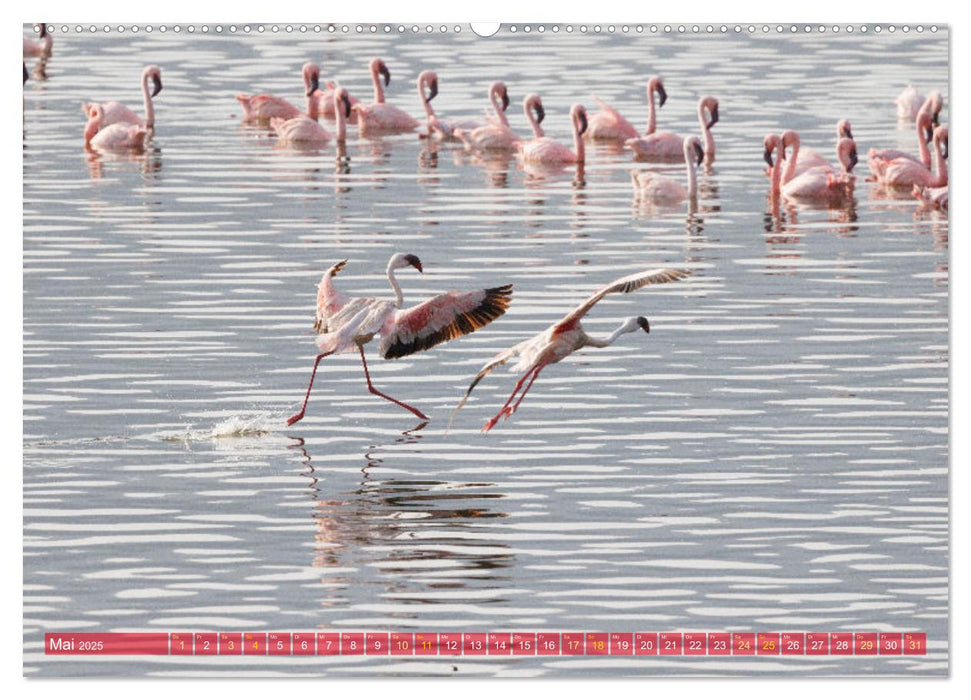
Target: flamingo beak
column 414, row 262
column 25, row 73
column 642, row 322
column 928, row 134
column 313, row 85
column 662, row 93
column 714, row 117
column 854, row 159
column 43, row 29
column 505, row 100
column 383, row 70
column 432, row 89
column 937, row 117
column 540, row 113
column 767, row 156
column 156, row 85
column 944, row 148
column 582, row 117
column 699, row 153
column 848, row 133
column 347, row 105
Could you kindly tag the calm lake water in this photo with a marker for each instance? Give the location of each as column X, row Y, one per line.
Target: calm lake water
column 772, row 457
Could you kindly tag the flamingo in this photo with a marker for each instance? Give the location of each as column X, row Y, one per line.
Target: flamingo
column 931, row 197
column 380, row 117
column 117, row 113
column 344, row 324
column 40, row 47
column 924, row 124
column 610, row 125
column 905, row 172
column 437, row 128
column 773, row 144
column 259, row 109
column 910, row 103
column 497, row 135
column 544, row 150
column 303, row 130
column 823, row 182
column 804, row 159
column 665, row 145
column 326, row 105
column 658, row 189
column 117, row 136
column 566, row 337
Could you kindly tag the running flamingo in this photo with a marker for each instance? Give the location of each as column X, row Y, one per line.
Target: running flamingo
column 306, row 130
column 824, row 183
column 117, row 136
column 40, row 47
column 497, row 135
column 566, row 337
column 610, row 124
column 544, row 150
column 380, row 117
column 665, row 145
column 924, row 124
column 652, row 187
column 344, row 324
column 931, row 197
column 904, row 172
column 803, row 159
column 117, row 113
column 259, row 109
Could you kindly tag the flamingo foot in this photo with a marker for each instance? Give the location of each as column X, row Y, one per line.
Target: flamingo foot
column 491, row 424
column 294, row 418
column 417, row 413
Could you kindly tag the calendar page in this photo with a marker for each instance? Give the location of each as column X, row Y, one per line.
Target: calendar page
column 538, row 350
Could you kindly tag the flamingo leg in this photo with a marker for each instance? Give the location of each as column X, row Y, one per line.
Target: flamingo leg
column 299, row 415
column 374, row 391
column 509, row 411
column 492, row 421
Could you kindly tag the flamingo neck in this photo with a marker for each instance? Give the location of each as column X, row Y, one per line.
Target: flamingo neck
column 537, row 127
column 925, row 154
column 500, row 115
column 341, row 120
column 940, row 167
column 709, row 140
column 578, row 145
column 608, row 340
column 429, row 111
column 147, row 100
column 399, row 298
column 692, row 176
column 651, row 114
column 378, row 89
column 777, row 173
column 791, row 162
column 313, row 106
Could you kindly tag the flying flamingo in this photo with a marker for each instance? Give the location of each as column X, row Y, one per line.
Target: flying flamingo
column 304, row 130
column 344, row 324
column 806, row 158
column 259, row 109
column 544, row 150
column 823, row 182
column 40, row 47
column 117, row 113
column 610, row 125
column 658, row 189
column 564, row 338
column 904, row 172
column 117, row 136
column 931, row 197
column 665, row 145
column 924, row 124
column 497, row 135
column 326, row 106
column 380, row 117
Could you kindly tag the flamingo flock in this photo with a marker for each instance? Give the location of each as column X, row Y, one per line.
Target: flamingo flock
column 344, row 324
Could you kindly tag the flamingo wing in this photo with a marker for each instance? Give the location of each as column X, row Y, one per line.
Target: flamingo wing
column 624, row 285
column 442, row 318
column 329, row 300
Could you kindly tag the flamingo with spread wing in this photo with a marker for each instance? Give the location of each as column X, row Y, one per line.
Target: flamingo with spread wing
column 344, row 324
column 566, row 337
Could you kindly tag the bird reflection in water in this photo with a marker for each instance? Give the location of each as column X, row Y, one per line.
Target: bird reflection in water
column 149, row 161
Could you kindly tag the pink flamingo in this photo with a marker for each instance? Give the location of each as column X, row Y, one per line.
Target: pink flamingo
column 803, row 159
column 823, row 182
column 437, row 128
column 535, row 114
column 924, row 124
column 259, row 109
column 344, row 324
column 326, row 106
column 905, row 172
column 668, row 146
column 117, row 136
column 40, row 47
column 305, row 130
column 662, row 190
column 564, row 338
column 544, row 150
column 497, row 135
column 117, row 113
column 931, row 197
column 380, row 117
column 610, row 125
